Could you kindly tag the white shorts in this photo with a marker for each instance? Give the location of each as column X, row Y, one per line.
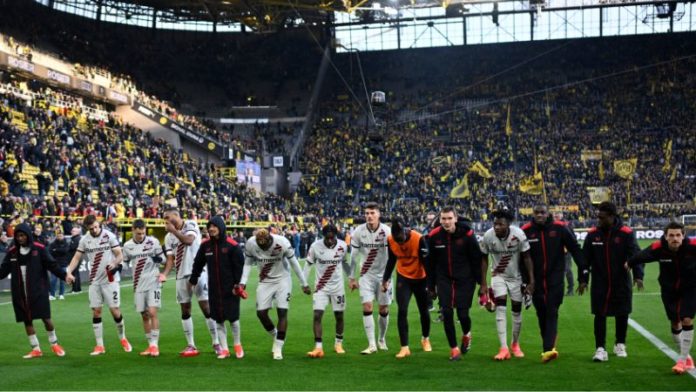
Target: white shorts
column 371, row 288
column 108, row 294
column 184, row 294
column 501, row 287
column 279, row 291
column 322, row 298
column 148, row 299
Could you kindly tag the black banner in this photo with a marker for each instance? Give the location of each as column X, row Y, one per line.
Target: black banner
column 205, row 142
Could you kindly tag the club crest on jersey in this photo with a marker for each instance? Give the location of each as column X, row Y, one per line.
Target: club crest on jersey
column 532, row 235
column 459, row 241
column 553, row 234
column 34, row 252
column 617, row 240
column 224, row 250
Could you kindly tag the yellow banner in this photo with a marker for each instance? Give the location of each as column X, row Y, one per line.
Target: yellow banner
column 590, row 155
column 599, row 194
column 532, row 185
column 461, row 190
column 625, row 168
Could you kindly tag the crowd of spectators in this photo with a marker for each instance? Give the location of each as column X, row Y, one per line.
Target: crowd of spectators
column 115, row 171
column 432, row 134
column 441, row 117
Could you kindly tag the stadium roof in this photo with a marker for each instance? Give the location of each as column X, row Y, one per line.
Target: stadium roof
column 269, row 15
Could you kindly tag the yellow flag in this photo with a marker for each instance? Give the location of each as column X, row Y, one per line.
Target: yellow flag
column 673, row 176
column 625, row 168
column 599, row 194
column 461, row 190
column 601, row 170
column 532, row 185
column 668, row 157
column 508, row 125
column 481, row 170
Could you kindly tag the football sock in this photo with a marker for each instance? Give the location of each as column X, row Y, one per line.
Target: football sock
column 516, row 326
column 187, row 324
column 222, row 335
column 237, row 332
column 98, row 328
column 501, row 325
column 154, row 337
column 120, row 327
column 676, row 338
column 369, row 325
column 34, row 342
column 52, row 338
column 212, row 328
column 383, row 324
column 687, row 338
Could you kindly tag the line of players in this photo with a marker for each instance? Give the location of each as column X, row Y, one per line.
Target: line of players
column 447, row 263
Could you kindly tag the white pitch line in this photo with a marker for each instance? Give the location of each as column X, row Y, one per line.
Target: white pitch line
column 657, row 343
column 83, row 291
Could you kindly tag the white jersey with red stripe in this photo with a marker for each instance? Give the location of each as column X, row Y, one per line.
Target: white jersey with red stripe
column 99, row 253
column 272, row 263
column 505, row 252
column 141, row 257
column 373, row 246
column 329, row 265
column 183, row 254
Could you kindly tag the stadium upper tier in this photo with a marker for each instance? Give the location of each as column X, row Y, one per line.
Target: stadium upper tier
column 581, row 112
column 54, row 161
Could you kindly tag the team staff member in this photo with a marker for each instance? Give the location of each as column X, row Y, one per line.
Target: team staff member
column 28, row 262
column 548, row 240
column 677, row 258
column 225, row 261
column 454, row 268
column 607, row 247
column 408, row 252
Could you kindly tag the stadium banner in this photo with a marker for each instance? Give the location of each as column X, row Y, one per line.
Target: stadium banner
column 22, row 64
column 58, row 76
column 641, row 234
column 189, row 135
column 625, row 168
column 85, row 85
column 118, row 97
column 591, row 155
column 559, row 208
column 599, row 194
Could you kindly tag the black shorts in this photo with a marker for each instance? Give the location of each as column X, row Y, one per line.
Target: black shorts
column 679, row 304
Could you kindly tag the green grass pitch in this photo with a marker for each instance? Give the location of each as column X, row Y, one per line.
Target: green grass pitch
column 646, row 368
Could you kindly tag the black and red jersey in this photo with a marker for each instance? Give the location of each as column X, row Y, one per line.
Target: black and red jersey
column 453, row 256
column 548, row 243
column 677, row 269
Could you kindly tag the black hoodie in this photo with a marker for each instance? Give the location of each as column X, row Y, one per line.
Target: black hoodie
column 225, row 261
column 30, row 281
